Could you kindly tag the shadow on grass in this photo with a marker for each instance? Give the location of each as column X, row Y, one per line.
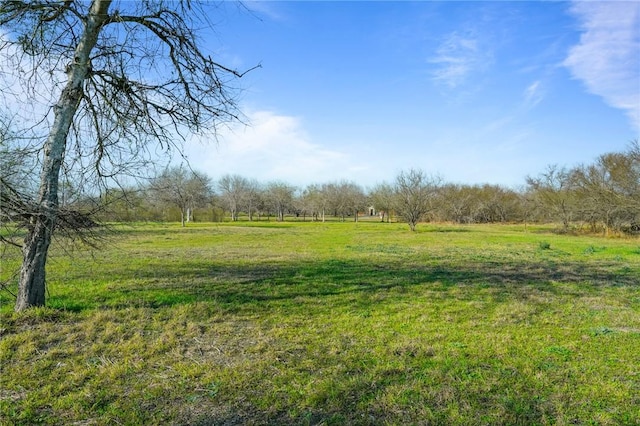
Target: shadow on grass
column 256, row 286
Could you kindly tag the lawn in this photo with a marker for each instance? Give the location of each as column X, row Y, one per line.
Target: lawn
column 329, row 323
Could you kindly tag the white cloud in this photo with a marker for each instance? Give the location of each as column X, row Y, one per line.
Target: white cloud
column 273, row 147
column 277, row 147
column 456, row 58
column 607, row 58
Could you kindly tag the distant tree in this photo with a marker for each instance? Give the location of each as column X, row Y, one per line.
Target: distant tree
column 183, row 188
column 346, row 198
column 415, row 192
column 315, row 201
column 456, row 203
column 279, row 196
column 356, row 198
column 343, row 198
column 510, row 205
column 305, row 202
column 634, row 152
column 234, row 191
column 553, row 193
column 261, row 204
column 301, row 206
column 381, row 197
column 494, row 203
column 127, row 204
column 609, row 190
column 334, row 201
column 252, row 197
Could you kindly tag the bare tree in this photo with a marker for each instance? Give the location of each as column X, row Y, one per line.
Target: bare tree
column 553, row 192
column 609, row 190
column 279, row 196
column 354, row 197
column 456, row 203
column 604, row 193
column 126, row 79
column 314, row 202
column 334, row 201
column 182, row 188
column 252, row 197
column 234, row 191
column 382, row 198
column 414, row 194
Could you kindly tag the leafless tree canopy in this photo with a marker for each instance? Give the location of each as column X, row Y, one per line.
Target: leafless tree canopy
column 415, row 194
column 149, row 82
column 183, row 188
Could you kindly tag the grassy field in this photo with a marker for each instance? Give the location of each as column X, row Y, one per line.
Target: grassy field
column 337, row 323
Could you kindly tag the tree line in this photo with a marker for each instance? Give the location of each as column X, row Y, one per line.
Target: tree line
column 603, row 196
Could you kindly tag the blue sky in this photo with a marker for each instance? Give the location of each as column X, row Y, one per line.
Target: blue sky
column 477, row 92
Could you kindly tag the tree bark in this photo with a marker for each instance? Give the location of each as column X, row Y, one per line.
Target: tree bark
column 31, row 287
column 31, row 291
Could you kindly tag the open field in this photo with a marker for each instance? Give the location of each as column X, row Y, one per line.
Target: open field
column 338, row 323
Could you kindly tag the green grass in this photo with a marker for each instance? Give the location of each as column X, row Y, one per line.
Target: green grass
column 337, row 323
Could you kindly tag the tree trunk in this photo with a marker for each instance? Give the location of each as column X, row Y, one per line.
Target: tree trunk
column 31, row 287
column 31, row 291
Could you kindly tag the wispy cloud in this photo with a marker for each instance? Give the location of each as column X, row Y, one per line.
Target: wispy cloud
column 533, row 94
column 266, row 9
column 607, row 57
column 273, row 147
column 457, row 57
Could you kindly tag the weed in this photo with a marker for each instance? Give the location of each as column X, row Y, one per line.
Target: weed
column 560, row 351
column 601, row 331
column 544, row 245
